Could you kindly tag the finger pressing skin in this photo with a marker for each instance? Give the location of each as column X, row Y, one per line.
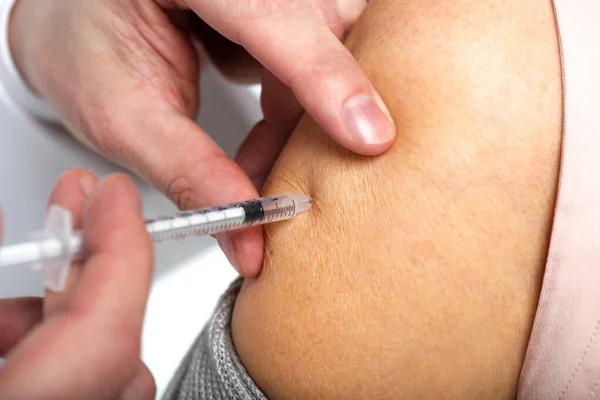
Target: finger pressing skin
column 244, row 249
column 97, row 337
column 194, row 172
column 71, row 192
column 17, row 317
column 257, row 155
column 178, row 158
column 324, row 76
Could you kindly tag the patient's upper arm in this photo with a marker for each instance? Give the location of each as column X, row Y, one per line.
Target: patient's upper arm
column 417, row 273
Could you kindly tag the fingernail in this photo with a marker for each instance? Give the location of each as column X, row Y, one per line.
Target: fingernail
column 224, row 240
column 88, row 183
column 368, row 119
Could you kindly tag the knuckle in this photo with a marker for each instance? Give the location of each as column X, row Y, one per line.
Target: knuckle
column 201, row 176
column 180, row 190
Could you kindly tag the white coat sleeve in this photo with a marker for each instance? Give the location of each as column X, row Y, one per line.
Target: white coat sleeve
column 10, row 78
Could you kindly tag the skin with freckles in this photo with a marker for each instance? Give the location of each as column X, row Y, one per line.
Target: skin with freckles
column 417, row 273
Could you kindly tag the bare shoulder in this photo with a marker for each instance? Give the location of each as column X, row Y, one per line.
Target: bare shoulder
column 417, row 273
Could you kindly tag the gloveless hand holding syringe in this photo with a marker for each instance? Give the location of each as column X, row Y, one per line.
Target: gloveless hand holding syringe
column 53, row 249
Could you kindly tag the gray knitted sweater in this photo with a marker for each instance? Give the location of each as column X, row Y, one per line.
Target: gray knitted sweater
column 212, row 369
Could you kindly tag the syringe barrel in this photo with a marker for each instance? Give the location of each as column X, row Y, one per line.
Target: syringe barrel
column 210, row 221
column 195, row 223
column 58, row 245
column 276, row 208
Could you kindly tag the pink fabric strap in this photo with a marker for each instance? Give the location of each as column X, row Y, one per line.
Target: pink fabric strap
column 563, row 357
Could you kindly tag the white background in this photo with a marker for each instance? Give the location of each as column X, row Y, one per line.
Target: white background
column 189, row 275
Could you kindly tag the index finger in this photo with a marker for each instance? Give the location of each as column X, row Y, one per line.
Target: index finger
column 295, row 44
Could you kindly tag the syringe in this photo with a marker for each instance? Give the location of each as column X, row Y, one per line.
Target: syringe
column 53, row 249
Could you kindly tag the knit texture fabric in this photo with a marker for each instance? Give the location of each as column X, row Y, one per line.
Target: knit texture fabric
column 212, row 368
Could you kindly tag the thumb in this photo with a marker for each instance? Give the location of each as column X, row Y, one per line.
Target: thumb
column 322, row 73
